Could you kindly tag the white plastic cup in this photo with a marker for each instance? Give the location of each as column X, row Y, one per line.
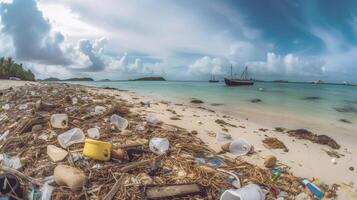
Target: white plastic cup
column 119, row 122
column 66, row 139
column 99, row 110
column 248, row 192
column 159, row 145
column 239, row 147
column 59, row 120
column 93, row 133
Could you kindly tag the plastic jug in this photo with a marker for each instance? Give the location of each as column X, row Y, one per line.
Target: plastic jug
column 248, row 192
column 159, row 145
column 66, row 139
column 119, row 122
column 97, row 150
column 59, row 120
column 239, row 147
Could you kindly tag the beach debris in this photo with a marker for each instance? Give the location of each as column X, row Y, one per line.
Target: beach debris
column 97, row 150
column 69, row 176
column 250, row 191
column 59, row 120
column 152, row 119
column 146, row 103
column 319, row 139
column 345, row 121
column 172, row 191
column 312, row 187
column 175, row 118
column 333, row 161
column 351, row 168
column 225, row 146
column 23, row 106
column 13, row 162
column 175, row 167
column 275, row 143
column 72, row 136
column 312, row 98
column 222, row 123
column 44, row 106
column 223, row 137
column 46, row 191
column 159, row 146
column 99, row 110
column 10, row 187
column 303, row 196
column 279, row 129
column 239, row 147
column 215, row 161
column 93, row 133
column 36, row 128
column 4, row 135
column 255, row 100
column 217, row 104
column 56, row 154
column 346, row 109
column 6, row 106
column 118, row 154
column 119, row 122
column 270, row 161
column 196, row 101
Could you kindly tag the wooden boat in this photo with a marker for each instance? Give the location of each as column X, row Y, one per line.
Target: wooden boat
column 212, row 80
column 244, row 79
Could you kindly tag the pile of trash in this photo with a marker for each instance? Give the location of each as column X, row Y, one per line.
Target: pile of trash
column 65, row 141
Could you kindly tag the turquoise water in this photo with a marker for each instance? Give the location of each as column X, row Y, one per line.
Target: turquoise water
column 286, row 98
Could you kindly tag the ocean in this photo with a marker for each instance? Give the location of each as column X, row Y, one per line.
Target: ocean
column 317, row 102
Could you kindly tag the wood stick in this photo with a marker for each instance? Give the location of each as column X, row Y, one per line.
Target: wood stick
column 115, row 188
column 133, row 165
column 21, row 175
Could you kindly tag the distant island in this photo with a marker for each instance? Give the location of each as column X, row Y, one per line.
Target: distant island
column 9, row 69
column 151, row 78
column 70, row 79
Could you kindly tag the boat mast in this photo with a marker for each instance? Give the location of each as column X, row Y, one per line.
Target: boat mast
column 231, row 71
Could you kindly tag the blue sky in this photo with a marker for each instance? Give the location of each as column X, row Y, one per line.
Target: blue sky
column 183, row 40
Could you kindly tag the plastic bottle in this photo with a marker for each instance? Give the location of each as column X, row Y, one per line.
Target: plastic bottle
column 314, row 189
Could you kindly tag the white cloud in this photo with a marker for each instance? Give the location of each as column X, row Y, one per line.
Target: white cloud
column 289, row 65
column 208, row 65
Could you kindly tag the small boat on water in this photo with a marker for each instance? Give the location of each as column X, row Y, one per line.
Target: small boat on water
column 243, row 80
column 213, row 80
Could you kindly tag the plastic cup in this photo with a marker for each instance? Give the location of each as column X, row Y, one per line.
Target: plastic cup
column 59, row 120
column 70, row 137
column 119, row 122
column 248, row 192
column 159, row 145
column 239, row 147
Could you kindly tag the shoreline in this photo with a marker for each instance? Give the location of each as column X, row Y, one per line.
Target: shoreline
column 305, row 159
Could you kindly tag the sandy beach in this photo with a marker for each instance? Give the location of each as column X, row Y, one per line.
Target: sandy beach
column 304, row 158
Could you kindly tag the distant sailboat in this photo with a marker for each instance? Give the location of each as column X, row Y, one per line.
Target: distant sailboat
column 244, row 79
column 213, row 80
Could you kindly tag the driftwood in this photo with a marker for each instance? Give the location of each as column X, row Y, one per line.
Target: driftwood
column 115, row 188
column 21, row 175
column 133, row 165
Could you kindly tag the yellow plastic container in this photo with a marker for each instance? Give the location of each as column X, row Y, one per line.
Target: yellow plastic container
column 97, row 150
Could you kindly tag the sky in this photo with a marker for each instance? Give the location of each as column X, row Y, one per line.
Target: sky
column 302, row 40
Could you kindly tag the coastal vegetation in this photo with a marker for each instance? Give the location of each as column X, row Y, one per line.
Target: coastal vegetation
column 9, row 68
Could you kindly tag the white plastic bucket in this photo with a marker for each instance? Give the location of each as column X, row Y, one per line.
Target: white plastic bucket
column 248, row 192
